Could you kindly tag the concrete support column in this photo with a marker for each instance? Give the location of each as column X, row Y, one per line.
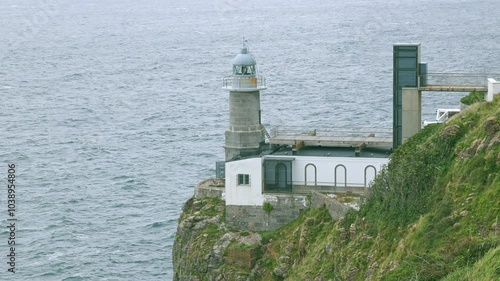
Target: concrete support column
column 411, row 112
column 493, row 89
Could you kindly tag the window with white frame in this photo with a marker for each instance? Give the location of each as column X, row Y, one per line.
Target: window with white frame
column 243, row 179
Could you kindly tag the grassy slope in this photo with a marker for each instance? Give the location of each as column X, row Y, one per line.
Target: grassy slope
column 430, row 216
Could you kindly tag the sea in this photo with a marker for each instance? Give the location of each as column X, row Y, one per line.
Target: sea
column 112, row 111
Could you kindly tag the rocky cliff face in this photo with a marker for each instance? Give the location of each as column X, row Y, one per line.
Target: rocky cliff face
column 205, row 249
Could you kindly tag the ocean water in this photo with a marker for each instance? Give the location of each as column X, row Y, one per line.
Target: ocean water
column 113, row 110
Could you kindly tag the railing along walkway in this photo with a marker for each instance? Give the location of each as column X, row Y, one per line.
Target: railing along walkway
column 455, row 82
column 342, row 137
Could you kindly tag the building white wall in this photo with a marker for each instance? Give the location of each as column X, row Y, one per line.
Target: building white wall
column 244, row 195
column 251, row 195
column 325, row 166
column 493, row 89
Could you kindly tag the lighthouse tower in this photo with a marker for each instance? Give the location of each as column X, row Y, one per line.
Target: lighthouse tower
column 245, row 134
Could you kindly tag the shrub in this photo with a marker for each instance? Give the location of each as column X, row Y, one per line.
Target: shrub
column 267, row 207
column 472, row 97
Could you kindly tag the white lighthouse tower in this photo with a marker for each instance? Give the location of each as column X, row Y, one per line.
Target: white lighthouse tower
column 245, row 134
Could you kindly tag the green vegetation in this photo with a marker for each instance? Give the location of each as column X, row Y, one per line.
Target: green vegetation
column 472, row 98
column 267, row 207
column 432, row 214
column 309, row 198
column 485, row 269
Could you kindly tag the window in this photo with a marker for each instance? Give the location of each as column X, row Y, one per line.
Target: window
column 243, row 179
column 243, row 69
column 237, row 69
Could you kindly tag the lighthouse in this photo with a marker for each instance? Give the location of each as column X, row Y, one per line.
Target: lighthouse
column 245, row 134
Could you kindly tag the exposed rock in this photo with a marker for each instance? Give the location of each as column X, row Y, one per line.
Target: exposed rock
column 251, row 239
column 329, row 248
column 365, row 237
column 205, row 221
column 369, row 273
column 310, row 222
column 492, row 125
column 494, row 140
column 472, row 150
column 281, row 271
column 352, row 272
column 469, row 124
column 352, row 230
column 389, row 267
column 464, row 213
column 342, row 233
column 197, row 205
column 495, row 227
column 449, row 131
column 219, row 247
column 284, row 259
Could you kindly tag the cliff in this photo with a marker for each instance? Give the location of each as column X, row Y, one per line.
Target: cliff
column 431, row 215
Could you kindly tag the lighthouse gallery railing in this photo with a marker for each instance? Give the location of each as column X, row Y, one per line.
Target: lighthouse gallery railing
column 244, row 82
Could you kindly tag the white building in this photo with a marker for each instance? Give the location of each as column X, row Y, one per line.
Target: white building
column 248, row 181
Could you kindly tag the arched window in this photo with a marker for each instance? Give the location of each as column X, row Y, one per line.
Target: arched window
column 336, row 174
column 311, row 169
column 368, row 179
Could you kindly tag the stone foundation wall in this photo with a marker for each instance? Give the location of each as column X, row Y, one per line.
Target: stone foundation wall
column 336, row 209
column 285, row 208
column 210, row 188
column 204, row 192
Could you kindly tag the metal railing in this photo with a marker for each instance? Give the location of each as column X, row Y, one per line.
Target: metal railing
column 331, row 132
column 266, row 133
column 330, row 184
column 456, row 79
column 244, row 82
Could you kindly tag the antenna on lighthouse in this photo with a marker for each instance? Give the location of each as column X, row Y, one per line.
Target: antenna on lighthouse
column 245, row 41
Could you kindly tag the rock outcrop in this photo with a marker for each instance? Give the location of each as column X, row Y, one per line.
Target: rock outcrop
column 205, row 249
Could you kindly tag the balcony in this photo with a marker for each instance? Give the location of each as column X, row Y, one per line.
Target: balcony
column 244, row 83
